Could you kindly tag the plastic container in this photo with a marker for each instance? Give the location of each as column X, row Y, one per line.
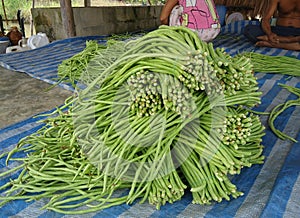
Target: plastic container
column 22, row 46
column 37, row 41
column 233, row 17
column 23, row 42
column 4, row 43
column 15, row 48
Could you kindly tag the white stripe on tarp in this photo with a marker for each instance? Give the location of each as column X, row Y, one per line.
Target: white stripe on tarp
column 280, row 97
column 295, row 54
column 139, row 210
column 266, row 87
column 196, row 210
column 292, row 209
column 259, row 75
column 12, row 165
column 33, row 210
column 6, row 66
column 17, row 131
column 7, row 149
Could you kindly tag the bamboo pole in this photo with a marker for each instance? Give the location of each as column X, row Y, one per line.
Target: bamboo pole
column 4, row 11
column 31, row 18
column 67, row 17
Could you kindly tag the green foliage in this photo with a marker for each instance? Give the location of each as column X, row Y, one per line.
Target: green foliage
column 12, row 7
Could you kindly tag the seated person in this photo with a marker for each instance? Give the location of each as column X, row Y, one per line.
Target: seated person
column 198, row 15
column 285, row 34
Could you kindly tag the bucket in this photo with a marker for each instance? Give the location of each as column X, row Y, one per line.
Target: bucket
column 38, row 40
column 4, row 43
column 15, row 48
column 221, row 10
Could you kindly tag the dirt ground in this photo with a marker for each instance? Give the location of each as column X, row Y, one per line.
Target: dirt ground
column 22, row 97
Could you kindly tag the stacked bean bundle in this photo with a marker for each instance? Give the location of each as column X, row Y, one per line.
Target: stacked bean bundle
column 145, row 93
column 168, row 114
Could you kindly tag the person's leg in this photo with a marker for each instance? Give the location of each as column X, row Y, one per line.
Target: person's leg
column 252, row 32
column 289, row 39
column 289, row 46
column 285, row 31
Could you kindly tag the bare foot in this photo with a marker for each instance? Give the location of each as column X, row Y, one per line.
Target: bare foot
column 263, row 44
column 289, row 39
column 289, row 46
column 263, row 38
column 284, row 39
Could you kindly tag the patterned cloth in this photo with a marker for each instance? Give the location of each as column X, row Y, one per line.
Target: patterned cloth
column 196, row 15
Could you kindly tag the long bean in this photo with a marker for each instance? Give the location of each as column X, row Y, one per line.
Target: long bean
column 164, row 115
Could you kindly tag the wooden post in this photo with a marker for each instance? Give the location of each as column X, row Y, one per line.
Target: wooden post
column 4, row 11
column 31, row 18
column 67, row 17
column 87, row 3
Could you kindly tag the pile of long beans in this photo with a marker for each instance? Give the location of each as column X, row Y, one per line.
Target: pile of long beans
column 70, row 70
column 273, row 64
column 169, row 114
column 284, row 65
column 78, row 69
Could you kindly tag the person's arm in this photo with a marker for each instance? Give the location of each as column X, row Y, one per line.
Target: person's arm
column 265, row 24
column 166, row 11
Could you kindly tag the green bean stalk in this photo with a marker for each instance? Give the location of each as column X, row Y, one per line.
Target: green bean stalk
column 169, row 115
column 280, row 108
column 273, row 64
column 71, row 69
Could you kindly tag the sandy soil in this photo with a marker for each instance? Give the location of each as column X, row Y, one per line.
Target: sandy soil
column 22, row 97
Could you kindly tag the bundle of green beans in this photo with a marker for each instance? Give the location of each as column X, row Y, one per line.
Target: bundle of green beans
column 273, row 64
column 70, row 70
column 78, row 68
column 280, row 65
column 168, row 114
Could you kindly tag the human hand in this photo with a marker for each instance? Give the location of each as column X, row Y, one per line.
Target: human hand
column 273, row 38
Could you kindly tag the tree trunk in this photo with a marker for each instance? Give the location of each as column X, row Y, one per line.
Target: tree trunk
column 87, row 3
column 67, row 17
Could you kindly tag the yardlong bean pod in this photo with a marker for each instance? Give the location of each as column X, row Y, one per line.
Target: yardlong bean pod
column 165, row 116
